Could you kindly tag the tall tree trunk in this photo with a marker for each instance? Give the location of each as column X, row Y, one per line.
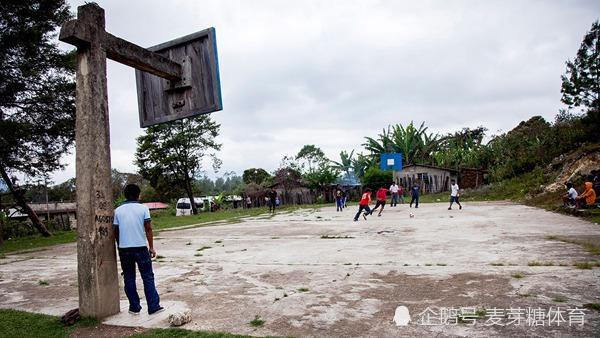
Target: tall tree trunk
column 190, row 193
column 20, row 200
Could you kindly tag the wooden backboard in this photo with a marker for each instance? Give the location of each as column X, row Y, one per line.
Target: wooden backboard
column 198, row 92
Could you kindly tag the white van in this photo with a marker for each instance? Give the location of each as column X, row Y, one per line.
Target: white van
column 184, row 208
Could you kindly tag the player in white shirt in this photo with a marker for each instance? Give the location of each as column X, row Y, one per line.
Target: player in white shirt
column 454, row 195
column 394, row 192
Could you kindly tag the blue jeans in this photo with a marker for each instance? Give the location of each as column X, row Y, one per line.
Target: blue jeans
column 339, row 202
column 415, row 199
column 394, row 201
column 140, row 256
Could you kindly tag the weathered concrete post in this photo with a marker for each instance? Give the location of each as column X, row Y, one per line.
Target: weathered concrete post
column 96, row 256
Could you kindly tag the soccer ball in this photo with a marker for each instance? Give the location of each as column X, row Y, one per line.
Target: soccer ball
column 411, row 215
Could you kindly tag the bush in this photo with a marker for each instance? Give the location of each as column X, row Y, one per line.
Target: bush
column 375, row 179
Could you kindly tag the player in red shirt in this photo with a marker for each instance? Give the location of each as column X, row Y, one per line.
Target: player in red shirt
column 364, row 205
column 381, row 198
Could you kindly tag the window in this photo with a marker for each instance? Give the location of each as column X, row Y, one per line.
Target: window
column 183, row 206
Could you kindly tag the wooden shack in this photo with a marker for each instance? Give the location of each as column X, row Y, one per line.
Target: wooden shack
column 431, row 178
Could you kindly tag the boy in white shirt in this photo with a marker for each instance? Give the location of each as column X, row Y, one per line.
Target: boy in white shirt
column 454, row 195
column 394, row 190
column 570, row 197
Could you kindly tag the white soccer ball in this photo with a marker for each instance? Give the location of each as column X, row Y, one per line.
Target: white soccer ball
column 411, row 215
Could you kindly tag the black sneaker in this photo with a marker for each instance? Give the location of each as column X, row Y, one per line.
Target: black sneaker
column 135, row 312
column 160, row 309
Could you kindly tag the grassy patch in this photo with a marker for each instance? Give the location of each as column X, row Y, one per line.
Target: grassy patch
column 441, row 264
column 197, row 254
column 347, row 263
column 219, row 241
column 525, row 295
column 497, row 264
column 335, row 237
column 517, row 275
column 204, row 248
column 592, row 306
column 586, row 265
column 428, row 264
column 160, row 257
column 257, row 321
column 43, row 282
column 15, row 323
column 37, row 241
column 536, row 263
column 303, row 290
column 559, row 299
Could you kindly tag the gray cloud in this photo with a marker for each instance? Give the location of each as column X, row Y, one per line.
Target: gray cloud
column 331, row 72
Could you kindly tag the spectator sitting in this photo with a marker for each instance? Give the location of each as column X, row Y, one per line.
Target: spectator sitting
column 596, row 181
column 569, row 199
column 587, row 198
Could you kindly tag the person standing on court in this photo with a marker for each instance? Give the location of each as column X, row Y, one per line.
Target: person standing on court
column 339, row 199
column 454, row 195
column 414, row 193
column 394, row 192
column 133, row 233
column 272, row 200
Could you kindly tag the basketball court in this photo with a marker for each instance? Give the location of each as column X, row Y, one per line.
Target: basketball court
column 314, row 272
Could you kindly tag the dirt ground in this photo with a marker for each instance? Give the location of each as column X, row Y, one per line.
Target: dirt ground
column 318, row 273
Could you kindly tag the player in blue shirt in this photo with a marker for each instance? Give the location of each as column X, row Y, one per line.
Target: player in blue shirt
column 133, row 231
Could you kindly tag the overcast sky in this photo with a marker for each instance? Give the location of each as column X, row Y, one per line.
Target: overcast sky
column 330, row 73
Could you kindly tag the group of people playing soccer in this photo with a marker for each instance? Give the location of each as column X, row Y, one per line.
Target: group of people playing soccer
column 397, row 194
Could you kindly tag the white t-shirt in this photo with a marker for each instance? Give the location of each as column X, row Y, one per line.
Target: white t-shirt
column 572, row 193
column 454, row 192
column 129, row 218
column 394, row 188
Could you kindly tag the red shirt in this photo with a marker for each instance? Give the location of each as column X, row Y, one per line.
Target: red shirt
column 382, row 194
column 366, row 198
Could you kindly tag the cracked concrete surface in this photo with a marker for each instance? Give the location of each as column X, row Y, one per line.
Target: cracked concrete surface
column 303, row 285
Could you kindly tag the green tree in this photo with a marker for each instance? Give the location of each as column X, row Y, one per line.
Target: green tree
column 375, row 178
column 581, row 83
column 308, row 156
column 37, row 106
column 528, row 145
column 461, row 149
column 345, row 164
column 174, row 151
column 256, row 175
column 362, row 163
column 416, row 145
column 316, row 168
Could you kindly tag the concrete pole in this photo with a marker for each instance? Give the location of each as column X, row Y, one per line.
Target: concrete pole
column 96, row 257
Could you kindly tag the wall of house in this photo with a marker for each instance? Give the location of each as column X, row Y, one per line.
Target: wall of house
column 471, row 178
column 432, row 180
